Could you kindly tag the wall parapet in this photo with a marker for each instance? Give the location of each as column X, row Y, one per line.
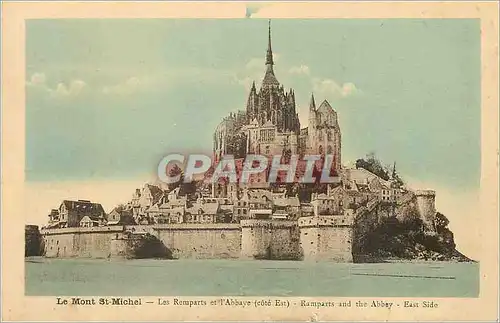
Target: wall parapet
column 197, row 226
column 253, row 223
column 425, row 193
column 326, row 221
column 56, row 231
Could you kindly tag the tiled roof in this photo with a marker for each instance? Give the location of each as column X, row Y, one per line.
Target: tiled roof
column 289, row 201
column 83, row 206
column 206, row 208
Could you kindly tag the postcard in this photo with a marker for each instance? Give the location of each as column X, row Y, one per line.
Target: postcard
column 232, row 161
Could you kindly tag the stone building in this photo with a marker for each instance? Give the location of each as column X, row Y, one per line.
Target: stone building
column 270, row 123
column 70, row 213
column 145, row 198
column 120, row 216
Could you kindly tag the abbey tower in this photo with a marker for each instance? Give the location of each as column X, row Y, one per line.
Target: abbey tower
column 270, row 123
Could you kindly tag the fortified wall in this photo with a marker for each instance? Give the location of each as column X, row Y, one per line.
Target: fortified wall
column 427, row 208
column 94, row 242
column 205, row 241
column 326, row 238
column 317, row 238
column 251, row 239
column 182, row 240
column 267, row 239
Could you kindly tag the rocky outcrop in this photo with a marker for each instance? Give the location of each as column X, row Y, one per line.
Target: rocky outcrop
column 407, row 240
column 32, row 241
column 138, row 246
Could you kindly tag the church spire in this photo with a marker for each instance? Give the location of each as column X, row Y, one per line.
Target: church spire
column 312, row 104
column 269, row 56
column 393, row 175
column 269, row 77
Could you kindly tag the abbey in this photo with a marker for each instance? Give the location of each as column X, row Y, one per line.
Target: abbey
column 261, row 219
column 270, row 124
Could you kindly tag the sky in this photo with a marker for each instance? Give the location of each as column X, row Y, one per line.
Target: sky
column 107, row 99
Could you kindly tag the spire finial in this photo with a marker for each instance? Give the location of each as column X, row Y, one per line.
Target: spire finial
column 269, row 56
column 312, row 104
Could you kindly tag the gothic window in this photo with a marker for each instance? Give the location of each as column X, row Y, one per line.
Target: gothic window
column 271, row 135
column 320, row 135
column 329, row 149
column 329, row 135
column 320, row 149
column 267, row 150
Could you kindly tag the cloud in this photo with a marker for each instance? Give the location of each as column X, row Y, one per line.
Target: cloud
column 37, row 79
column 260, row 62
column 252, row 9
column 332, row 88
column 128, row 86
column 253, row 70
column 302, row 69
column 73, row 88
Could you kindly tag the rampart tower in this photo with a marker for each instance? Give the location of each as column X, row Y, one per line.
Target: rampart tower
column 427, row 208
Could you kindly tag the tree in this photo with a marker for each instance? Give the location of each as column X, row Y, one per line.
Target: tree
column 120, row 207
column 397, row 179
column 175, row 170
column 441, row 222
column 372, row 164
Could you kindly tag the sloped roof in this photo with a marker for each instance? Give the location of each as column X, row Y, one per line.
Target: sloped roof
column 154, row 208
column 359, row 175
column 88, row 219
column 289, row 201
column 173, row 203
column 362, row 187
column 336, row 190
column 225, row 125
column 325, row 108
column 270, row 78
column 156, row 192
column 259, row 194
column 83, row 206
column 206, row 208
column 268, row 124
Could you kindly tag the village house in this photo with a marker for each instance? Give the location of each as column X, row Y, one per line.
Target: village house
column 287, row 206
column 120, row 216
column 88, row 222
column 202, row 213
column 144, row 198
column 326, row 205
column 70, row 214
